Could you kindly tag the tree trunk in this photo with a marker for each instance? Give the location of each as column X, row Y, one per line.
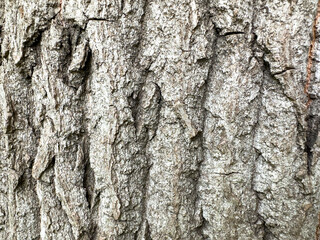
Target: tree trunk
column 176, row 119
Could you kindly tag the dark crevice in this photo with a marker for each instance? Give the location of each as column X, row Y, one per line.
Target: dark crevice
column 48, row 168
column 31, row 50
column 252, row 180
column 94, row 232
column 204, row 223
column 265, row 68
column 1, row 40
column 218, row 31
column 86, row 71
column 273, row 77
column 35, row 40
column 88, row 181
column 231, row 33
column 133, row 101
column 101, row 19
column 31, row 56
column 122, row 2
column 313, row 122
column 268, row 235
column 96, row 200
column 21, row 181
column 285, row 70
column 89, row 175
column 198, row 137
column 65, row 56
column 226, row 174
column 160, row 102
column 161, row 99
column 147, row 232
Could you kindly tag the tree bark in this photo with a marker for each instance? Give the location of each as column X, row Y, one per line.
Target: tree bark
column 176, row 119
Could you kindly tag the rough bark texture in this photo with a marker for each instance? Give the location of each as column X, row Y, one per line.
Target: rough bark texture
column 176, row 119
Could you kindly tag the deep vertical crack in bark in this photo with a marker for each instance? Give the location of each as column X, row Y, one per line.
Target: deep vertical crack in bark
column 313, row 123
column 254, row 47
column 211, row 61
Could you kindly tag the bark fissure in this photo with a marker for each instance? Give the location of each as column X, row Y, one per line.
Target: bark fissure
column 159, row 120
column 211, row 61
column 258, row 53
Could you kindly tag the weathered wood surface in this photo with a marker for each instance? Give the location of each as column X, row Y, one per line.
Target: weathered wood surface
column 176, row 119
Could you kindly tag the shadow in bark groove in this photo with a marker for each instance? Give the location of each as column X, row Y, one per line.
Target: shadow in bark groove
column 313, row 122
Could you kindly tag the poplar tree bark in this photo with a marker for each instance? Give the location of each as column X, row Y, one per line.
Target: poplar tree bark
column 162, row 120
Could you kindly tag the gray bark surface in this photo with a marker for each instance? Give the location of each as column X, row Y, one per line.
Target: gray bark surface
column 176, row 119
